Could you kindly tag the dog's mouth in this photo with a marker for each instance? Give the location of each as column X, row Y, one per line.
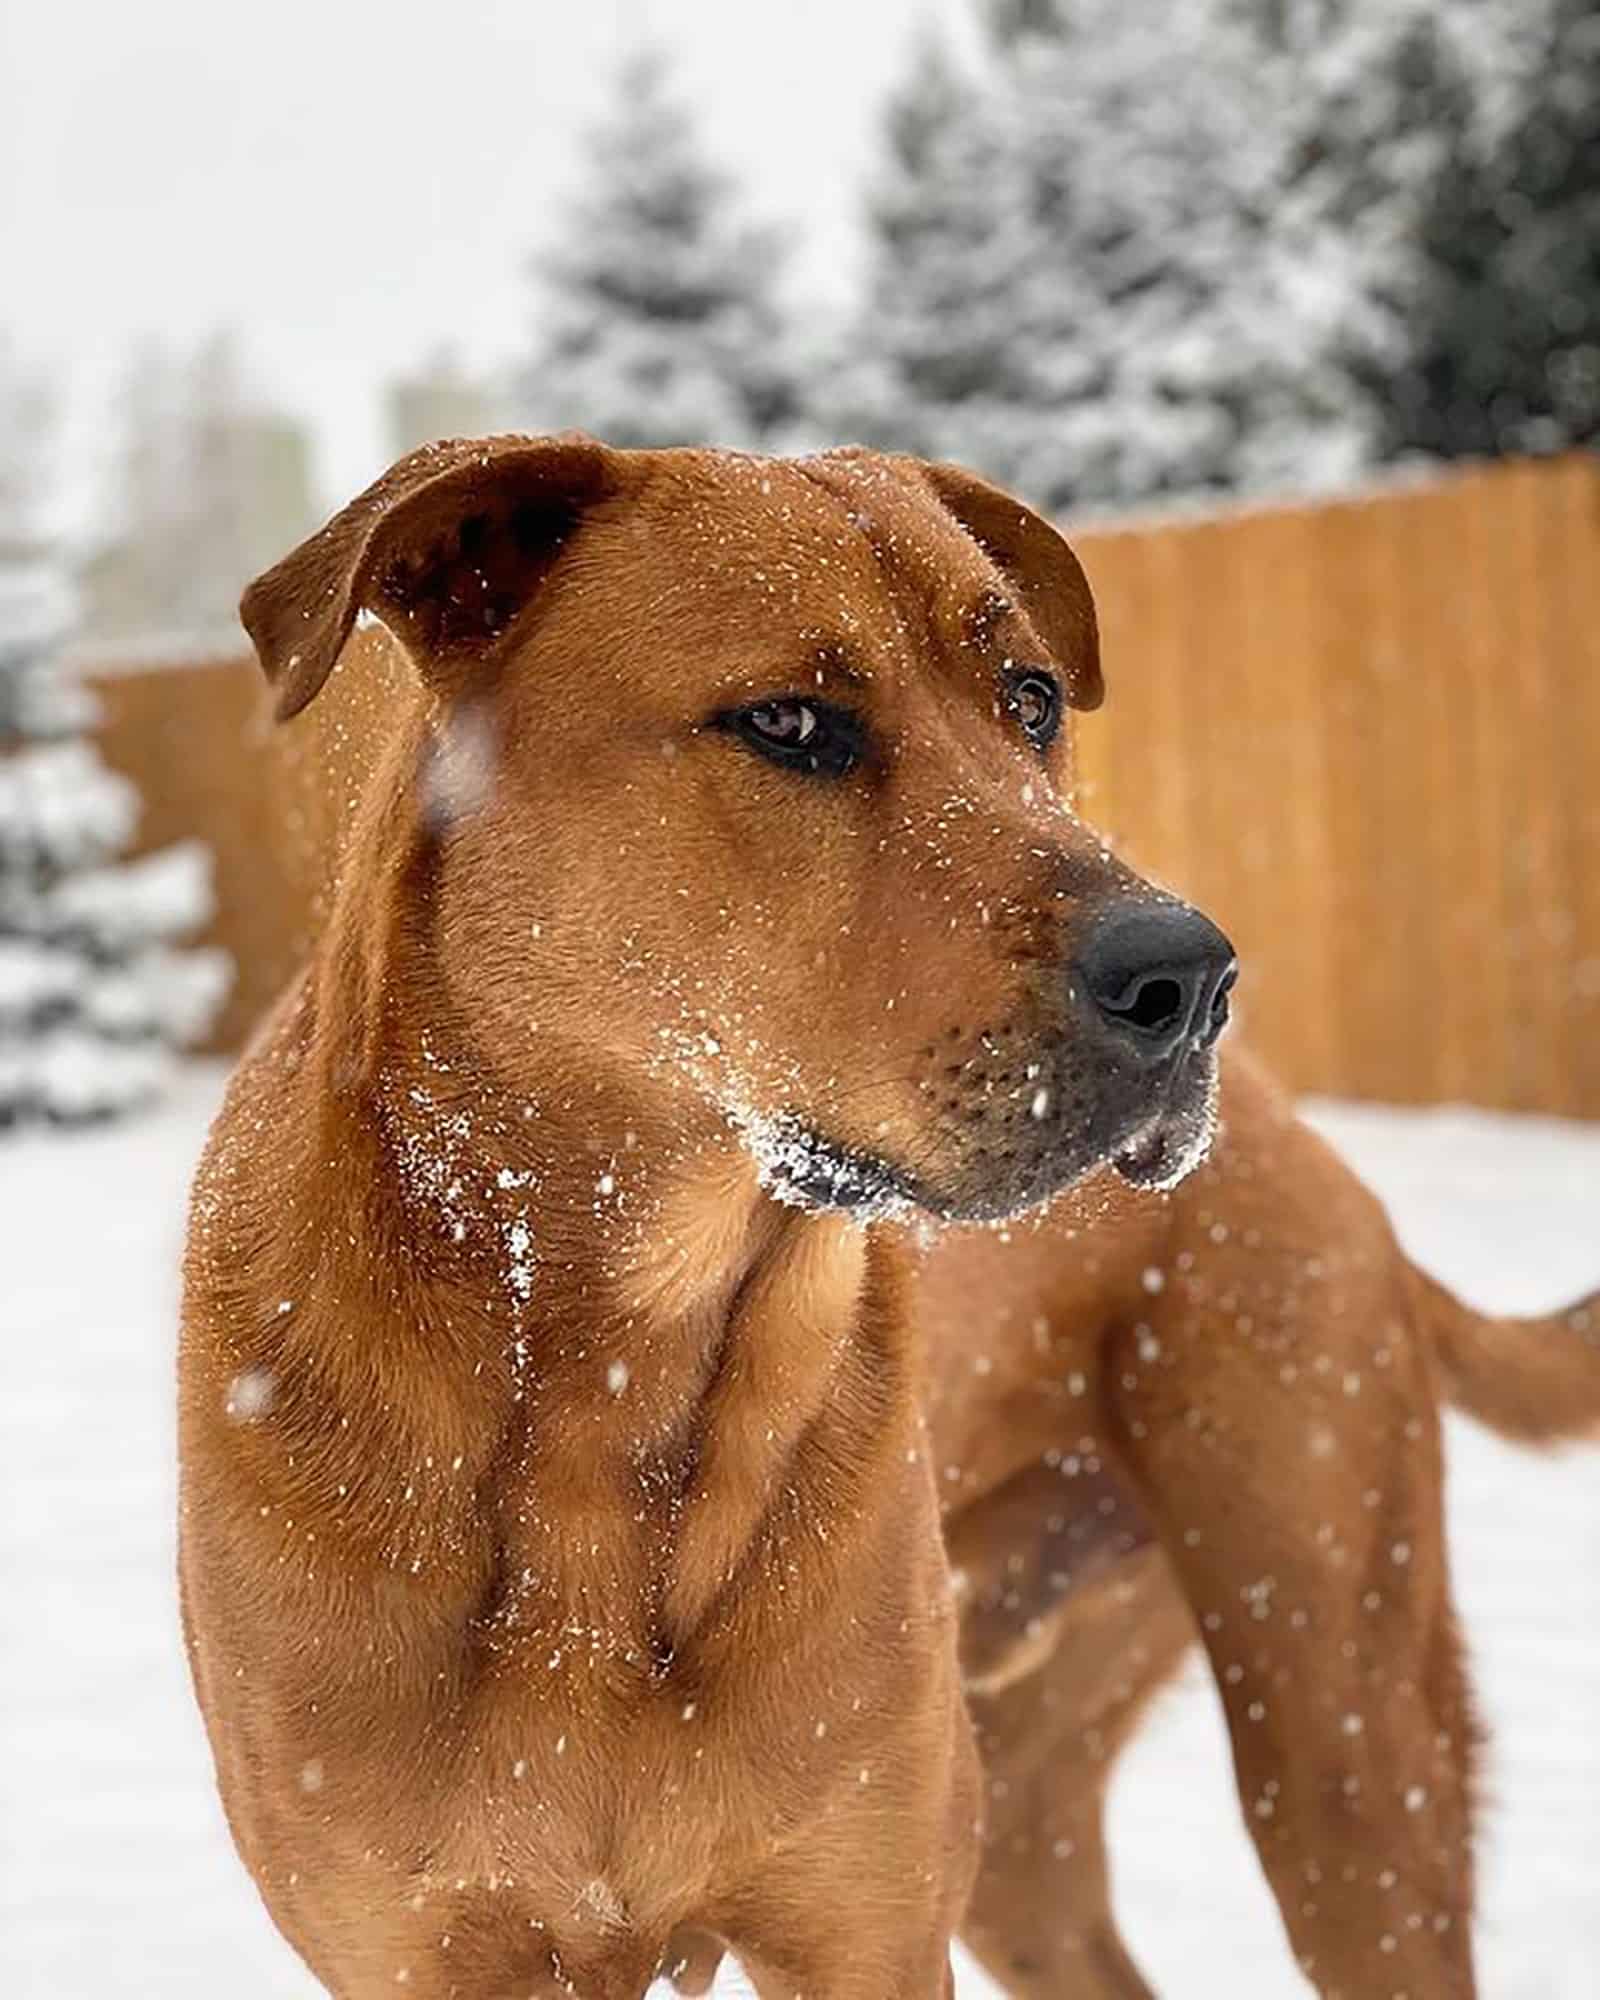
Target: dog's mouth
column 800, row 1164
column 1166, row 1146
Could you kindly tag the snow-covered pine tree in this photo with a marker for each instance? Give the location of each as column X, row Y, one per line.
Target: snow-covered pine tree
column 1055, row 249
column 94, row 998
column 934, row 355
column 1286, row 26
column 1012, row 21
column 1505, row 309
column 1144, row 257
column 659, row 317
column 1146, row 161
column 1373, row 99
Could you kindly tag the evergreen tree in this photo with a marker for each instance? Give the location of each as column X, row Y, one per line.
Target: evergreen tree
column 934, row 355
column 1145, row 161
column 1287, row 27
column 1013, row 21
column 1505, row 328
column 660, row 316
column 1374, row 101
column 94, row 999
column 1069, row 284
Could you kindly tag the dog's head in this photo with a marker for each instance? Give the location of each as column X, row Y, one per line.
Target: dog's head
column 753, row 773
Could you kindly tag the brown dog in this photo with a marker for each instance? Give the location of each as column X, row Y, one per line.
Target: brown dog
column 563, row 1462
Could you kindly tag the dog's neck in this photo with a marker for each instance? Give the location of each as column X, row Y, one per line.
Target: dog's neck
column 547, row 1335
column 621, row 1197
column 597, row 1315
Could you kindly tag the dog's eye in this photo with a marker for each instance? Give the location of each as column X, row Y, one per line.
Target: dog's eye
column 805, row 735
column 1034, row 698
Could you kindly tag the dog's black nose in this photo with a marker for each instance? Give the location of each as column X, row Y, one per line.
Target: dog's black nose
column 1159, row 976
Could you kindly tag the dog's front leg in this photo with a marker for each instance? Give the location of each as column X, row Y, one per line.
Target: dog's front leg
column 867, row 1907
column 881, row 1931
column 828, row 1979
column 1293, row 1471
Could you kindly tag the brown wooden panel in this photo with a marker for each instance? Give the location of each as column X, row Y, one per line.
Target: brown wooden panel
column 1138, row 746
column 1570, row 589
column 1406, row 974
column 1457, row 862
column 1533, row 894
column 1351, row 664
column 1487, row 797
column 1106, row 562
column 192, row 739
column 1229, row 859
column 1265, row 724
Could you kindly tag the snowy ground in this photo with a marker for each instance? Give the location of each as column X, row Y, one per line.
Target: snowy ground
column 117, row 1876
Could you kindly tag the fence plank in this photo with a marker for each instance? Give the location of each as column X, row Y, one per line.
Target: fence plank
column 1137, row 747
column 1572, row 761
column 1533, row 885
column 1410, row 751
column 1352, row 665
column 1459, row 861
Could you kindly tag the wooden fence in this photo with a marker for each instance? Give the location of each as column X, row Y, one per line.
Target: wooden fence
column 1365, row 736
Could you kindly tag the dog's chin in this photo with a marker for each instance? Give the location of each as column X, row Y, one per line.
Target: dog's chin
column 1167, row 1148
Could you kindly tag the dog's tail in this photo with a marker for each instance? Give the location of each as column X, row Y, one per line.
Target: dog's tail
column 1535, row 1381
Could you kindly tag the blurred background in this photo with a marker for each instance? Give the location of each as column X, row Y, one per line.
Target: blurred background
column 1288, row 309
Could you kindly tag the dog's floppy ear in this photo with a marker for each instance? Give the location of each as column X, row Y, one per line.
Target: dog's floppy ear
column 1038, row 560
column 446, row 548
